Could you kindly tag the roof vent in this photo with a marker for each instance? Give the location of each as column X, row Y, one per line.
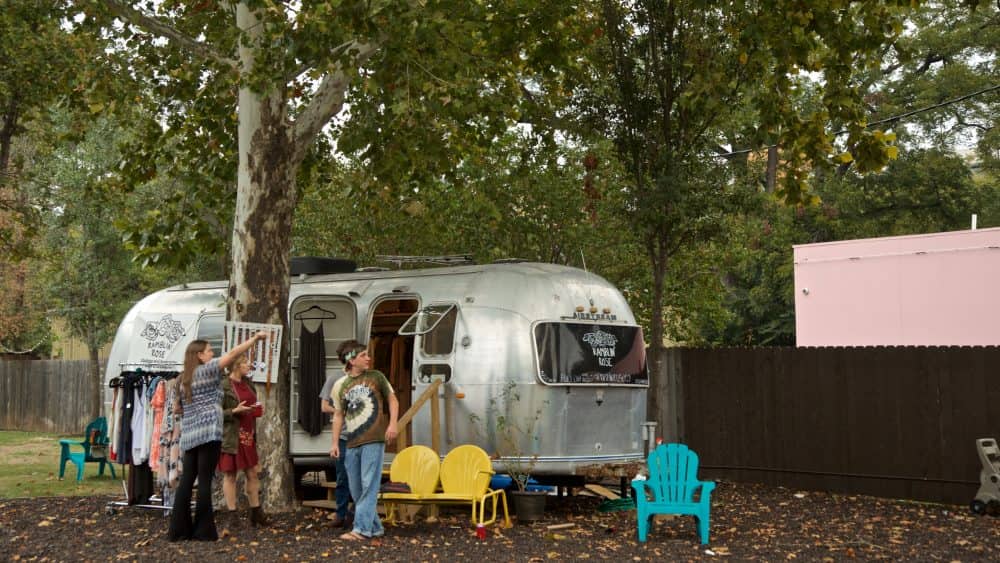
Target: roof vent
column 320, row 265
column 509, row 261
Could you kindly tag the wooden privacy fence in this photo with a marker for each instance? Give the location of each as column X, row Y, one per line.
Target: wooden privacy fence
column 45, row 396
column 896, row 422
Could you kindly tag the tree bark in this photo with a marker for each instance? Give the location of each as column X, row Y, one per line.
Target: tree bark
column 658, row 262
column 10, row 116
column 96, row 381
column 772, row 168
column 265, row 203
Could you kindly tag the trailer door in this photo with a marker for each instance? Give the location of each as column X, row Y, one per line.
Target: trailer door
column 324, row 322
column 434, row 356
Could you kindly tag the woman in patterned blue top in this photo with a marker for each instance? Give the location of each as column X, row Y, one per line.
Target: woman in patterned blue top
column 201, row 436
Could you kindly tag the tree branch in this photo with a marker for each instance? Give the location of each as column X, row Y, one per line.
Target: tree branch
column 334, row 54
column 930, row 59
column 328, row 100
column 960, row 120
column 158, row 27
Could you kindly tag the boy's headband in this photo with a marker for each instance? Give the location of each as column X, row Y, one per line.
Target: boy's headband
column 350, row 356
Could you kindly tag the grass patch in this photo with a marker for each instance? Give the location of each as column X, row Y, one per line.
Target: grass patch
column 30, row 468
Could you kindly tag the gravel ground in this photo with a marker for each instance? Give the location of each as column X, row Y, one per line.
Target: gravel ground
column 749, row 522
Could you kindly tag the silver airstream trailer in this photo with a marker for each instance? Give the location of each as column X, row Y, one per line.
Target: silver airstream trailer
column 564, row 338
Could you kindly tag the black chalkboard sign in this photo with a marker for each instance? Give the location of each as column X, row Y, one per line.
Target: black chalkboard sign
column 576, row 353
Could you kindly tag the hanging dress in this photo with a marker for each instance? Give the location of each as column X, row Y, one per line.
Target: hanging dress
column 157, row 402
column 312, row 375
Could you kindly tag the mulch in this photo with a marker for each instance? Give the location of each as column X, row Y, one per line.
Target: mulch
column 749, row 522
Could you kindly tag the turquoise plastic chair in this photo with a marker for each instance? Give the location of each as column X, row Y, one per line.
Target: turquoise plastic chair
column 672, row 484
column 95, row 449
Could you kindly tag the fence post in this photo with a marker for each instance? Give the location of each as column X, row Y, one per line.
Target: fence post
column 665, row 403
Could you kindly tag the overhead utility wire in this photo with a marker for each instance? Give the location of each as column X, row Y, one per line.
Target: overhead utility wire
column 886, row 120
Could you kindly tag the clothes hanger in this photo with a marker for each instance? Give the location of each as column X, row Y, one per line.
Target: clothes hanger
column 300, row 315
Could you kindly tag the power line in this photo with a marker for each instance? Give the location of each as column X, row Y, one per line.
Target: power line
column 929, row 108
column 886, row 120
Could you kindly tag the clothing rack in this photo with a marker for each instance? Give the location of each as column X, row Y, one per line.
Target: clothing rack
column 147, row 373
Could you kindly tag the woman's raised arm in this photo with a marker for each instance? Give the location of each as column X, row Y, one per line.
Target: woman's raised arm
column 227, row 359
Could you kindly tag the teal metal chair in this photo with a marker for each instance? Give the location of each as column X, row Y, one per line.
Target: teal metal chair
column 95, row 449
column 671, row 489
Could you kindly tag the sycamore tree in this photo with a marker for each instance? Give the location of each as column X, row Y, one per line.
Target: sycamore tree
column 259, row 82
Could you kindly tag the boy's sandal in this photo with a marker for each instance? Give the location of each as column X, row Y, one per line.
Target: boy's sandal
column 352, row 536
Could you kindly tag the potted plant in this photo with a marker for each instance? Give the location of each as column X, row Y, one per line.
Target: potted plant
column 511, row 427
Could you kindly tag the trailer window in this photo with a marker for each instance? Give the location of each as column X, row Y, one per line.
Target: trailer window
column 441, row 340
column 576, row 353
column 430, row 372
column 210, row 330
column 424, row 320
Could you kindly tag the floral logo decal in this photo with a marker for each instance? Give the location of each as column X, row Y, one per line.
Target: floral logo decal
column 602, row 344
column 161, row 335
column 167, row 328
column 600, row 339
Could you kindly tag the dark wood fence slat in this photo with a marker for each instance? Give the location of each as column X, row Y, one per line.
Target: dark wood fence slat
column 895, row 422
column 44, row 395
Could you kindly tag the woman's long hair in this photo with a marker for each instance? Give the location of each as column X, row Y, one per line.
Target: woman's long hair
column 191, row 363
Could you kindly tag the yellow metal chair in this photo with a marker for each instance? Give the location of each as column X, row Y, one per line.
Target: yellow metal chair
column 418, row 467
column 465, row 477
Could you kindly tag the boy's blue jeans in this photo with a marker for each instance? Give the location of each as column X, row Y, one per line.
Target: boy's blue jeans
column 364, row 474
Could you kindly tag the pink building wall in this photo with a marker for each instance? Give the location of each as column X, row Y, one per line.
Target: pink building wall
column 923, row 290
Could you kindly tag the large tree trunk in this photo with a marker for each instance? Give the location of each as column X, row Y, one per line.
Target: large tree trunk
column 96, row 381
column 10, row 115
column 658, row 263
column 772, row 168
column 657, row 400
column 265, row 203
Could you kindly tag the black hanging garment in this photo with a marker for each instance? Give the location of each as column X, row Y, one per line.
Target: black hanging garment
column 312, row 375
column 130, row 382
column 140, row 484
